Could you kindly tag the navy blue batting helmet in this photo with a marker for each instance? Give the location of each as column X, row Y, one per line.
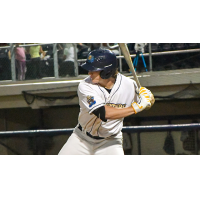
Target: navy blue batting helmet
column 102, row 60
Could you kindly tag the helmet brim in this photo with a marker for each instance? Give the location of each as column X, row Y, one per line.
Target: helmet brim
column 89, row 67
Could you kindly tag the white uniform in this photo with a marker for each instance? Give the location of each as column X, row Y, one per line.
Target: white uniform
column 91, row 97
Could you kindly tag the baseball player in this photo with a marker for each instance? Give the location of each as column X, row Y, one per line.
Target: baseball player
column 105, row 98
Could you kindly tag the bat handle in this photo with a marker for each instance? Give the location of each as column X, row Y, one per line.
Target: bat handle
column 138, row 83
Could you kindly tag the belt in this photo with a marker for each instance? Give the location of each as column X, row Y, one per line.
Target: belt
column 88, row 134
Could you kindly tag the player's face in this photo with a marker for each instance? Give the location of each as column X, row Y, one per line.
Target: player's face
column 95, row 76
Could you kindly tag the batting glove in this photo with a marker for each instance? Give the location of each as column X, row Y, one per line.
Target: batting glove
column 144, row 101
column 152, row 99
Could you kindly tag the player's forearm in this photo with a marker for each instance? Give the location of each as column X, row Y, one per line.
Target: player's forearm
column 117, row 113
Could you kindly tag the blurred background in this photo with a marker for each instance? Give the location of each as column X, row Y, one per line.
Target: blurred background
column 39, row 105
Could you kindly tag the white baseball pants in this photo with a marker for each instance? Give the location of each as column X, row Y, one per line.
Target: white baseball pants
column 81, row 144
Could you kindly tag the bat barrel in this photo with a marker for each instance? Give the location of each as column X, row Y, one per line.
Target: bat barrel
column 128, row 59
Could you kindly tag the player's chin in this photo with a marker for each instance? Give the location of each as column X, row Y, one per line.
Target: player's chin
column 95, row 81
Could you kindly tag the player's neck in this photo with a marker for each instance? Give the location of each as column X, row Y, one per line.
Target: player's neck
column 107, row 83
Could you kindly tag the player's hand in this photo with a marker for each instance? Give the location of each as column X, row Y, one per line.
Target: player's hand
column 152, row 99
column 144, row 101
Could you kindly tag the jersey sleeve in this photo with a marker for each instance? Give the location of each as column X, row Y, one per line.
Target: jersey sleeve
column 89, row 99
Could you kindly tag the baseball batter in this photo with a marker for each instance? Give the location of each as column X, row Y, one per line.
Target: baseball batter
column 105, row 98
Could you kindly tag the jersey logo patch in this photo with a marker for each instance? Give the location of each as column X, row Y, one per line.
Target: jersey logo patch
column 90, row 101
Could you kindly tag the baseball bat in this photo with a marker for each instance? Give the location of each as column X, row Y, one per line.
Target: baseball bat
column 128, row 59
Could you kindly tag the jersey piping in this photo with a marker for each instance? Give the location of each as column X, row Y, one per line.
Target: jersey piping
column 93, row 125
column 103, row 93
column 117, row 88
column 97, row 129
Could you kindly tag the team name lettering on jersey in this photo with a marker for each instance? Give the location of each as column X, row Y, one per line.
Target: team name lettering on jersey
column 90, row 100
column 116, row 105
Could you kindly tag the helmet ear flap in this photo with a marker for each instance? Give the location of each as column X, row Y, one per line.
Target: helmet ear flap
column 104, row 74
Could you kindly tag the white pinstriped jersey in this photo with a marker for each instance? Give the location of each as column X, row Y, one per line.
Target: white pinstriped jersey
column 93, row 96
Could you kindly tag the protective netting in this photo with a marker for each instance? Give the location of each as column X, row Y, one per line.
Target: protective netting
column 43, row 64
column 176, row 61
column 36, row 61
column 31, row 95
column 5, row 65
column 190, row 91
column 143, row 142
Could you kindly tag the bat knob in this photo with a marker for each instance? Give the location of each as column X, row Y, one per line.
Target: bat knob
column 152, row 100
